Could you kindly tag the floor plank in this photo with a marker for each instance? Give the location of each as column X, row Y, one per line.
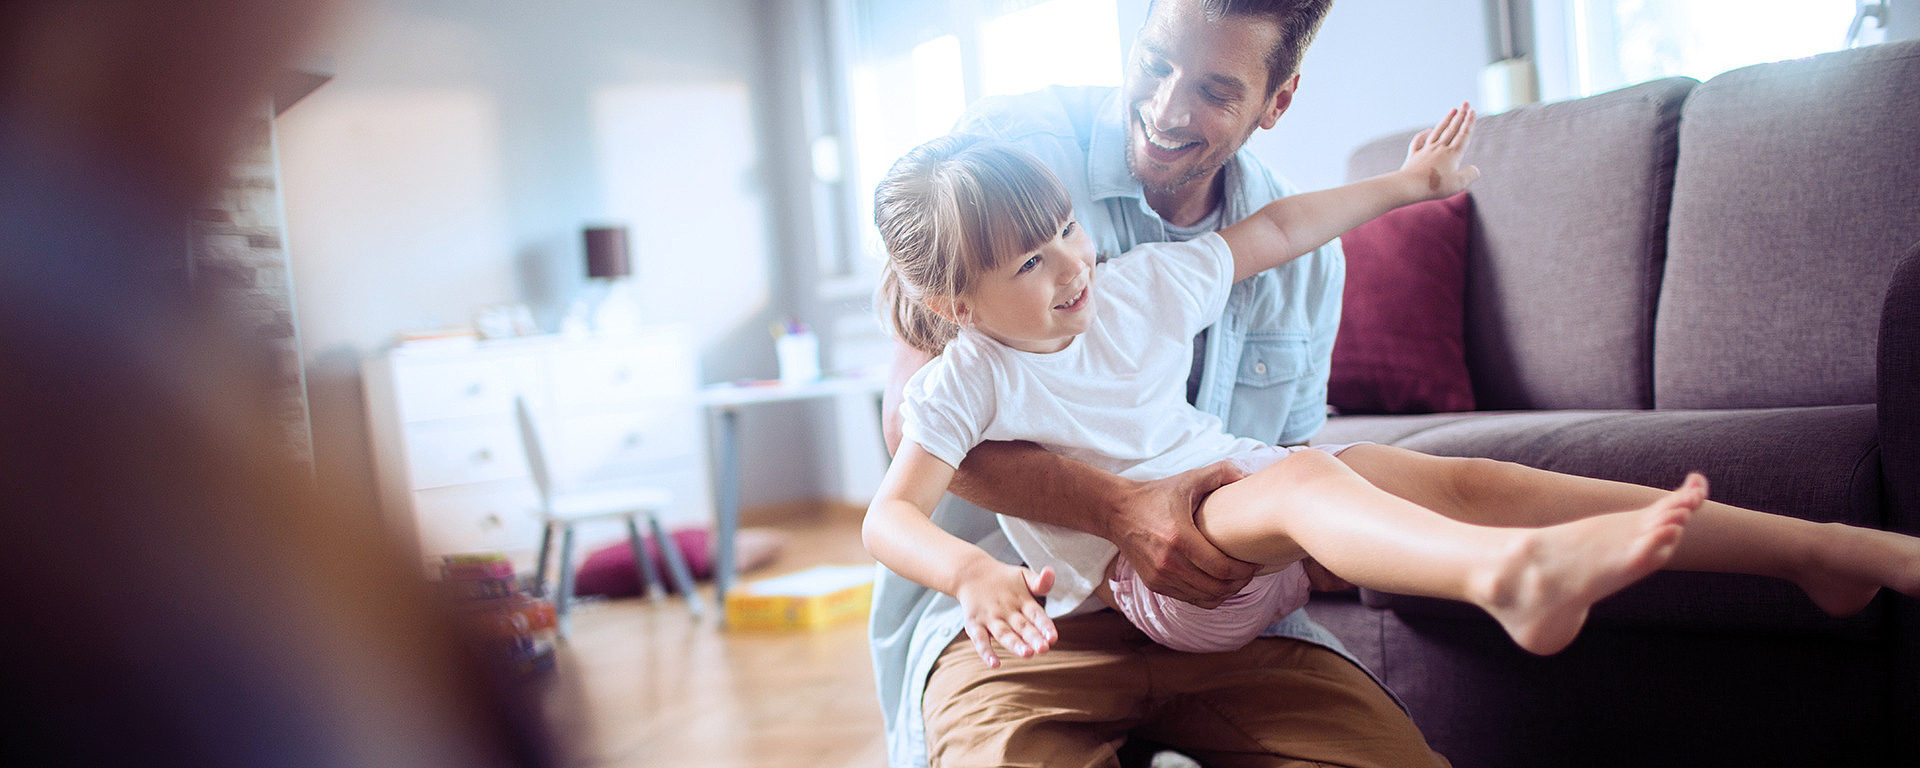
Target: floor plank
column 640, row 683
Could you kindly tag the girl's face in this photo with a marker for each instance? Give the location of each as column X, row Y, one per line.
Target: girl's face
column 1037, row 301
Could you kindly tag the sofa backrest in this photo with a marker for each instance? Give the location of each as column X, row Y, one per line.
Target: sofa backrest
column 1570, row 230
column 1798, row 189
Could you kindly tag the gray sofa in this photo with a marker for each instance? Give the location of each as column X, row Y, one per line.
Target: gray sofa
column 1719, row 276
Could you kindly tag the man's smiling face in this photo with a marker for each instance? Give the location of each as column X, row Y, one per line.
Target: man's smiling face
column 1196, row 89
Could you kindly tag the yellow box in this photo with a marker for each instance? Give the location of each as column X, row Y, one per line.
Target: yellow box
column 809, row 599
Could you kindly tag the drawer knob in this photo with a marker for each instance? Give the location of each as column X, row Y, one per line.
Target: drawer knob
column 476, row 389
column 482, row 456
column 632, row 441
column 622, row 375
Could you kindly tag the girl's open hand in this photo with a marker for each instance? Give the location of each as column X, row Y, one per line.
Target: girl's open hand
column 1001, row 608
column 1433, row 159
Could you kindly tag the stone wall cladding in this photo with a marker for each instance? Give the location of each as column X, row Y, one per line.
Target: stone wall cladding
column 240, row 269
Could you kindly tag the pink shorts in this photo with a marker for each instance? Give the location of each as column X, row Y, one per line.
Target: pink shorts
column 1183, row 626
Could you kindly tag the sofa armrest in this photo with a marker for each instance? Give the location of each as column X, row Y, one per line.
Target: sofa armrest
column 1898, row 385
column 1899, row 393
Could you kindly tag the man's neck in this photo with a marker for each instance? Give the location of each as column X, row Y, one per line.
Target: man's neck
column 1187, row 205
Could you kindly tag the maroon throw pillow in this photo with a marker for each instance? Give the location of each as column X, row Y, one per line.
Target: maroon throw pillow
column 1401, row 346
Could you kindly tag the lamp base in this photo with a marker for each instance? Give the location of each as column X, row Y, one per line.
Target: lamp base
column 618, row 312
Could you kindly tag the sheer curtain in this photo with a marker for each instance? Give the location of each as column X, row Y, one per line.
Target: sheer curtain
column 1608, row 44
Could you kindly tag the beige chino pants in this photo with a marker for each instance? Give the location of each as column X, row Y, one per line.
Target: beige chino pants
column 1275, row 702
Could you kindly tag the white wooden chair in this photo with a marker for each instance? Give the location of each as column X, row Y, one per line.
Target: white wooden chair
column 562, row 509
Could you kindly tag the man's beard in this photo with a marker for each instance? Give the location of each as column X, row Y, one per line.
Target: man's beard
column 1206, row 166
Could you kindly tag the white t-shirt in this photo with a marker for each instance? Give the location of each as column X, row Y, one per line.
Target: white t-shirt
column 1114, row 398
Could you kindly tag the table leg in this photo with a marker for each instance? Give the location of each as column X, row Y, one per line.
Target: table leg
column 729, row 508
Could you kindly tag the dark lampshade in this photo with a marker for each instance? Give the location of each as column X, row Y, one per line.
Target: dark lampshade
column 607, row 252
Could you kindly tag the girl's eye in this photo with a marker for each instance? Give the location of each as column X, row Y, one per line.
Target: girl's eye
column 1067, row 230
column 1032, row 261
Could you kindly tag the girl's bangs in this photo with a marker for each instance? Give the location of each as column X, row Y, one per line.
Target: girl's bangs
column 1022, row 205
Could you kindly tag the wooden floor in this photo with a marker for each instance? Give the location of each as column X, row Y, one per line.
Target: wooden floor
column 643, row 684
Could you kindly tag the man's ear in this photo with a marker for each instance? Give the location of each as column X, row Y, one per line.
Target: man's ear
column 1282, row 98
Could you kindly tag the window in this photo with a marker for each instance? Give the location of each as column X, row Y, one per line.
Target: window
column 1614, row 43
column 917, row 64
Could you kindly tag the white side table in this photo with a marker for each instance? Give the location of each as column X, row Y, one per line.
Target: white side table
column 726, row 401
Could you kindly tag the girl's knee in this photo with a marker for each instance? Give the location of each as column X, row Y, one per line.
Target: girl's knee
column 1300, row 471
column 1311, row 464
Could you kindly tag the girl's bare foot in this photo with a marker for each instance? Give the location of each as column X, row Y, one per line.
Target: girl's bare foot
column 1551, row 577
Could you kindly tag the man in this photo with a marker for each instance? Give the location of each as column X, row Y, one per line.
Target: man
column 1160, row 159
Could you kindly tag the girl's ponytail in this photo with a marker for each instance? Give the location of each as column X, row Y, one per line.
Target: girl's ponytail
column 907, row 316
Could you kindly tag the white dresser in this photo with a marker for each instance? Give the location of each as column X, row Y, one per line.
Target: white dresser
column 611, row 411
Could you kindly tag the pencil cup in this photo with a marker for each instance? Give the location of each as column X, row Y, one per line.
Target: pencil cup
column 799, row 355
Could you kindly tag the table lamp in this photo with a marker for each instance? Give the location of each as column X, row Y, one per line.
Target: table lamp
column 610, row 261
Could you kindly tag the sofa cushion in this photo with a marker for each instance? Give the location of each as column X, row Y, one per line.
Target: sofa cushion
column 1817, row 464
column 1383, row 429
column 1400, row 348
column 1569, row 235
column 1796, row 191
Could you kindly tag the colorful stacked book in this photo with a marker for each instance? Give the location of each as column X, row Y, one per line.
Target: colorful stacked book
column 483, row 589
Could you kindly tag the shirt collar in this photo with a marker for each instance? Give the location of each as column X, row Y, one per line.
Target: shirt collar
column 1107, row 174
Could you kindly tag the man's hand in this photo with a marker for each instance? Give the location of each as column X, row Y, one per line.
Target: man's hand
column 1153, row 526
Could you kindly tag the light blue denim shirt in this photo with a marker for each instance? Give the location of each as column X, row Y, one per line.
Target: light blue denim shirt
column 1264, row 372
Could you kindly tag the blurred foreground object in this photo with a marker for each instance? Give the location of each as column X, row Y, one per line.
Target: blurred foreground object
column 190, row 596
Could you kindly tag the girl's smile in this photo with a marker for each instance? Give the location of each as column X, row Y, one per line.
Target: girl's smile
column 1078, row 301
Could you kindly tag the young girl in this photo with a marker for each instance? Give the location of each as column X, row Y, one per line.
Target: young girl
column 988, row 268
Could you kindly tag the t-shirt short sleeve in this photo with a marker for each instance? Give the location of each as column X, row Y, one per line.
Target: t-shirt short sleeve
column 946, row 406
column 1179, row 282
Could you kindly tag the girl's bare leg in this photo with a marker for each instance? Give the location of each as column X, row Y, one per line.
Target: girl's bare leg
column 1840, row 567
column 1538, row 582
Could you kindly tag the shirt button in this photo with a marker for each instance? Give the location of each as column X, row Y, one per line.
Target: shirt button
column 1260, row 369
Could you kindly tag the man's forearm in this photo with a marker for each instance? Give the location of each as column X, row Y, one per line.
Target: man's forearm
column 1029, row 482
column 1014, row 478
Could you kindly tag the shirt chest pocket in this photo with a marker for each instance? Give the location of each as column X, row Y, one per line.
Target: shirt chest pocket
column 1271, row 359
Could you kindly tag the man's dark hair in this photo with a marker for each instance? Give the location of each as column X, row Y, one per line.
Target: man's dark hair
column 1298, row 21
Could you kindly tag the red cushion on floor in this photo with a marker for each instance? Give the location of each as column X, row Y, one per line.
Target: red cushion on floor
column 609, row 571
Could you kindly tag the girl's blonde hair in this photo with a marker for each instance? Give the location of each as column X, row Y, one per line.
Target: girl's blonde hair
column 949, row 211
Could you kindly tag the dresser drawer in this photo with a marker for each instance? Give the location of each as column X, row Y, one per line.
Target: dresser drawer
column 613, row 410
column 592, row 378
column 630, row 439
column 497, row 516
column 429, row 389
column 460, row 451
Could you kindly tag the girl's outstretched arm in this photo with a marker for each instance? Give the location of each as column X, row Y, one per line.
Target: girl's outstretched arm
column 1292, row 226
column 998, row 599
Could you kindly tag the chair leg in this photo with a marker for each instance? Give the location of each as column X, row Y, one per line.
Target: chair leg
column 564, row 601
column 643, row 562
column 676, row 565
column 539, row 586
